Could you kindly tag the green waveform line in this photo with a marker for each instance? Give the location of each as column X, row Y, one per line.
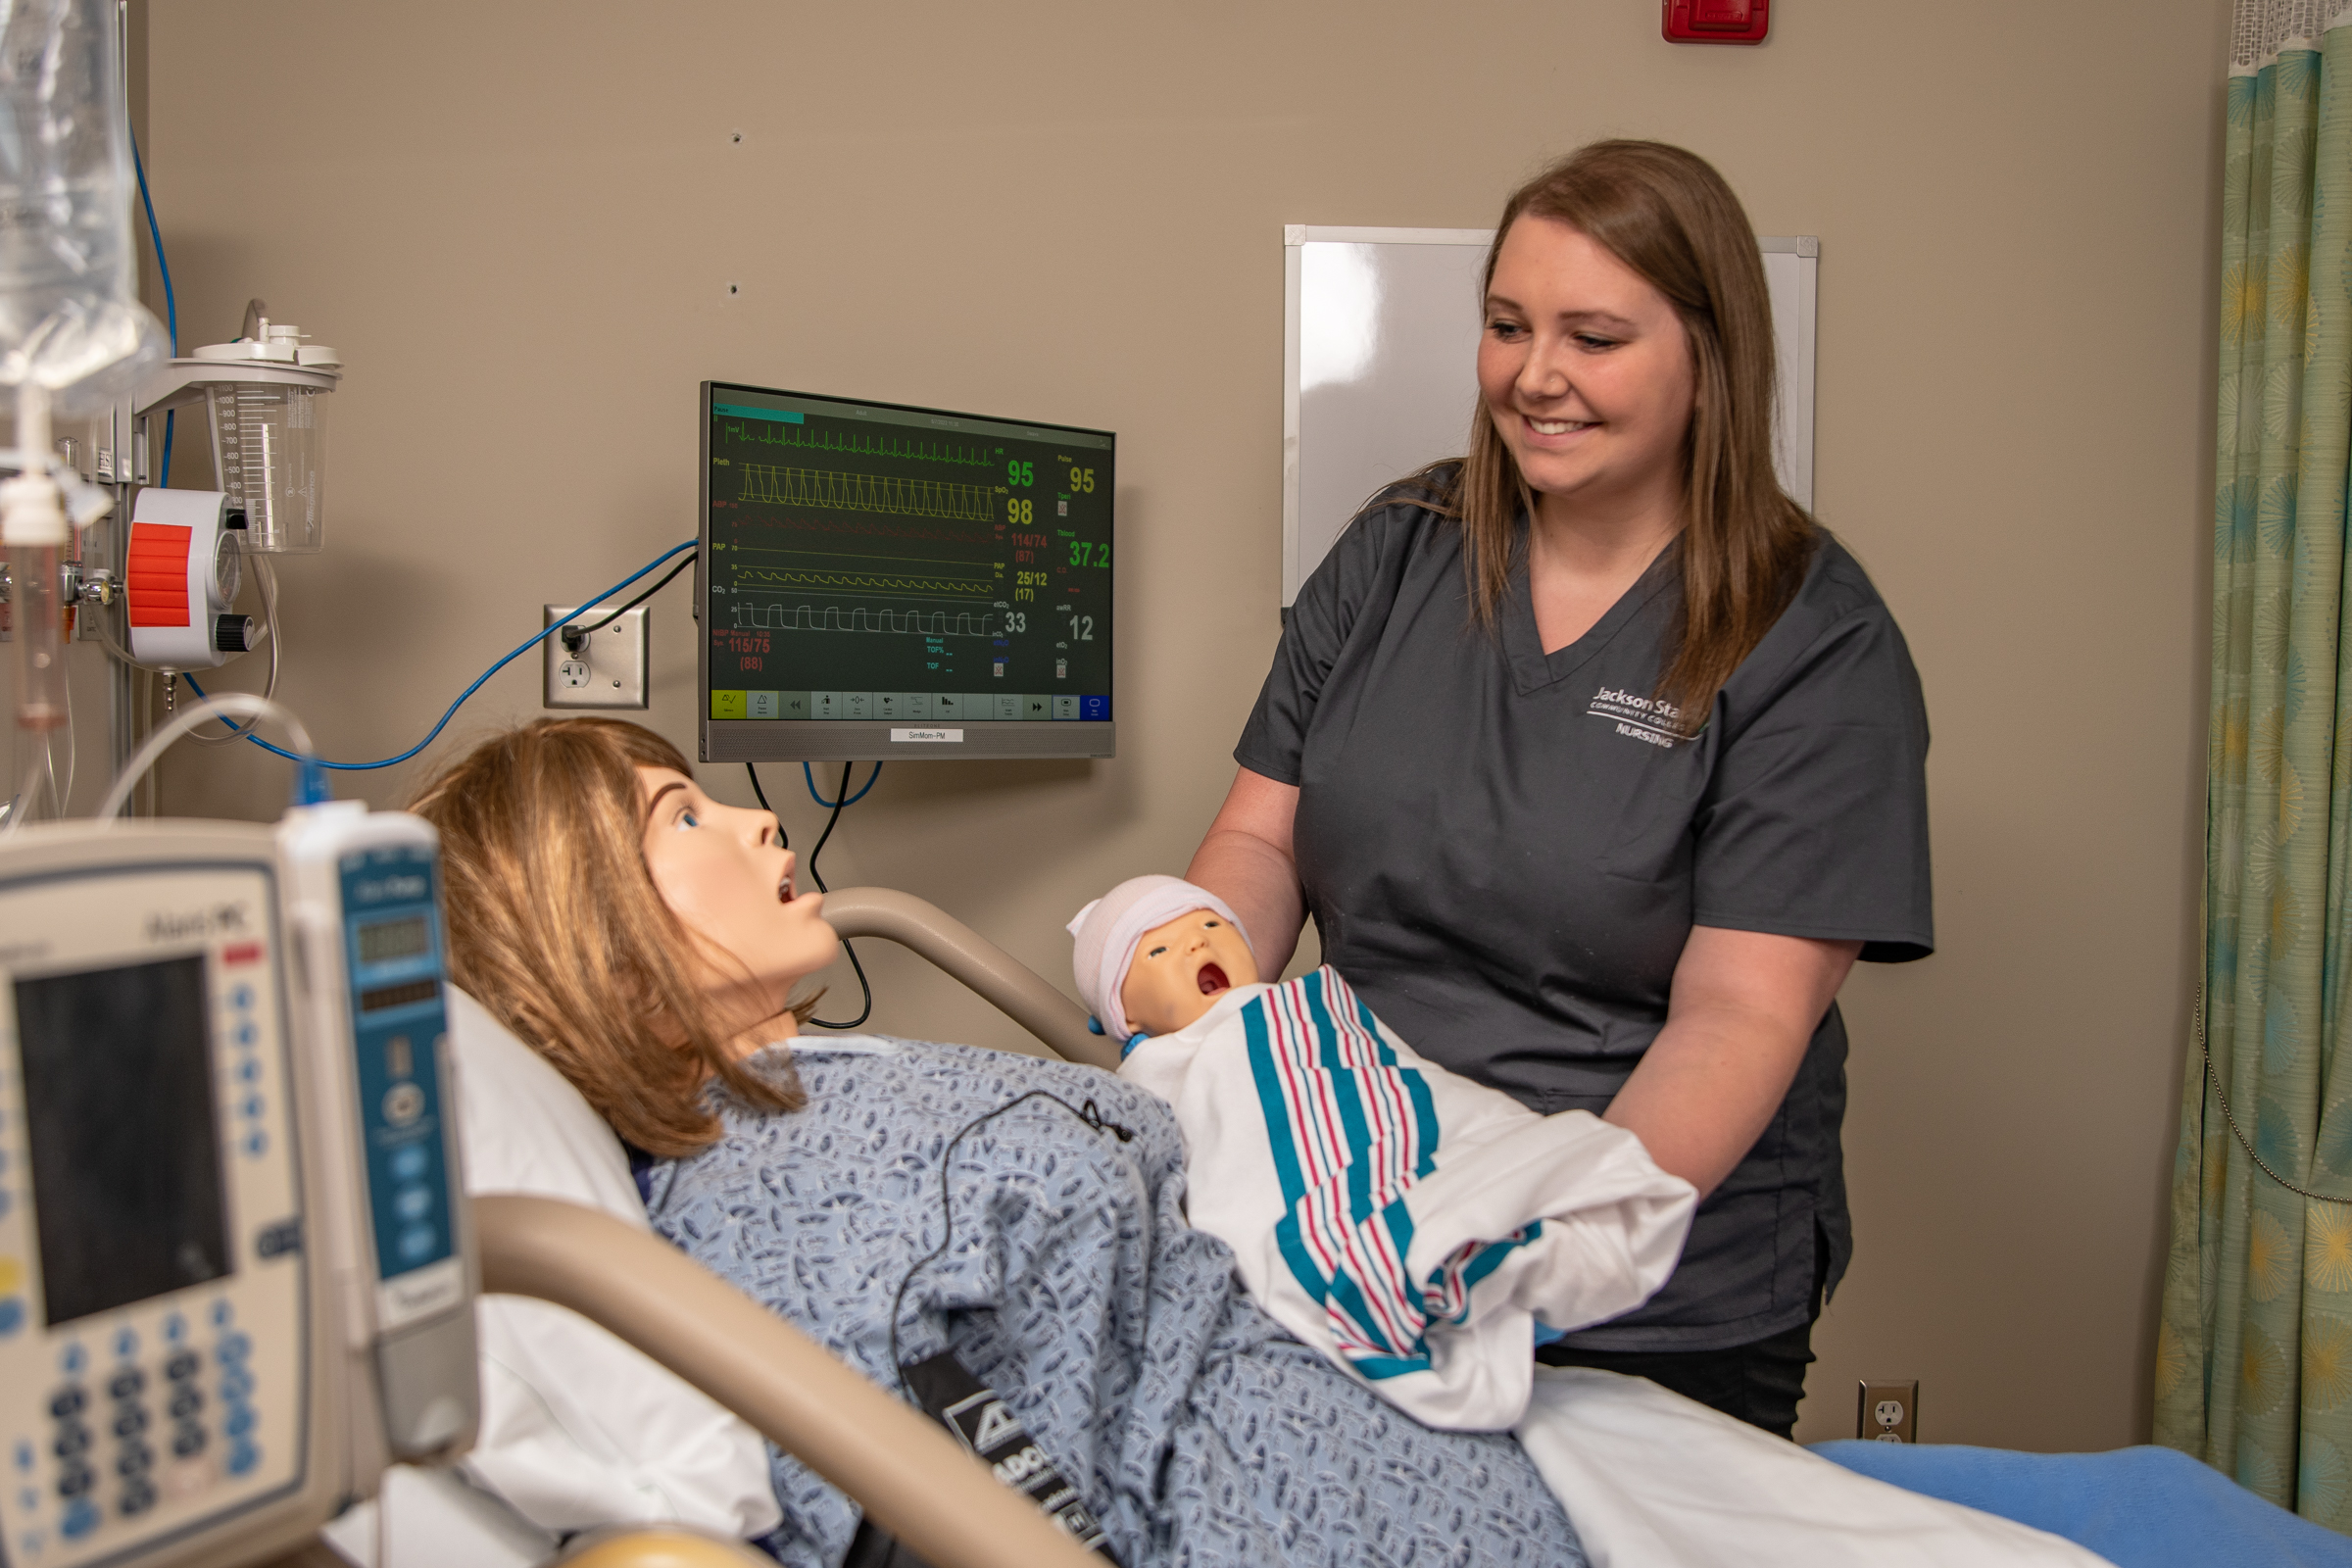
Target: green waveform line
column 868, row 492
column 757, row 581
column 859, row 446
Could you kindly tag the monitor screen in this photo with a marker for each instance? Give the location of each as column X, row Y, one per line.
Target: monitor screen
column 884, row 581
column 125, row 1138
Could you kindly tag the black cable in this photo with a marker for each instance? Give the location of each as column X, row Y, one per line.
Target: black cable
column 1087, row 1114
column 783, row 839
column 574, row 634
column 841, row 798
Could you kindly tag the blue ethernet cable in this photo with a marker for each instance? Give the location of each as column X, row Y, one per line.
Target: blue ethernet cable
column 810, row 775
column 171, row 306
column 516, row 651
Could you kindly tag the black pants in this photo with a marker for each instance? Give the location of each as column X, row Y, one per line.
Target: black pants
column 1759, row 1383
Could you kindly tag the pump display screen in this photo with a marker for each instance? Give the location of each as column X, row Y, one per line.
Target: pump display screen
column 123, row 1137
column 382, row 941
column 905, row 565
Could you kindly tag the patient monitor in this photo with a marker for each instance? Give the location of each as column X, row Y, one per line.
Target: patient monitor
column 201, row 1156
column 881, row 581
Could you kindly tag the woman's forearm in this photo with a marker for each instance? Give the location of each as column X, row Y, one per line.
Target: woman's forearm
column 1743, row 1008
column 1245, row 859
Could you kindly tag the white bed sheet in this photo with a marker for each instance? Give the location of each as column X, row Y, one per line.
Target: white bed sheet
column 1651, row 1478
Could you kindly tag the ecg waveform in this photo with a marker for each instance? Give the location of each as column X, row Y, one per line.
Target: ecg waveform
column 868, row 492
column 862, row 618
column 764, row 434
column 756, row 579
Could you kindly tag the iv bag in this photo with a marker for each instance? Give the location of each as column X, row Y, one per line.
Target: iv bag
column 70, row 315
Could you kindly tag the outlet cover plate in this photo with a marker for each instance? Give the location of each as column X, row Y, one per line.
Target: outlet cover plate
column 1889, row 1410
column 608, row 671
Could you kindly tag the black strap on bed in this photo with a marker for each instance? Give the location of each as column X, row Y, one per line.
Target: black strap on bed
column 987, row 1427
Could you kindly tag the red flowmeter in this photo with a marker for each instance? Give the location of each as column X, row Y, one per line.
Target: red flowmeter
column 1715, row 21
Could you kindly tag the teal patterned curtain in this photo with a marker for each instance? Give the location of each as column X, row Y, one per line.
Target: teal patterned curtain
column 2254, row 1350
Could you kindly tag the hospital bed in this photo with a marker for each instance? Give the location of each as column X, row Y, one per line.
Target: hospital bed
column 1649, row 1477
column 475, row 1350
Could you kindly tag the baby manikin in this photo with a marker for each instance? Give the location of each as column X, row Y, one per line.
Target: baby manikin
column 1422, row 1230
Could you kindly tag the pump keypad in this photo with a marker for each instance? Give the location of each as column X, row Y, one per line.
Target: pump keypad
column 142, row 1428
column 134, row 1458
column 70, row 1442
column 186, row 1406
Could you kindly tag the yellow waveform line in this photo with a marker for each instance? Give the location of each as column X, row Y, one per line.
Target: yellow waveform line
column 771, row 485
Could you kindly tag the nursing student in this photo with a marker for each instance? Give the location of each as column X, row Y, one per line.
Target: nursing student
column 1598, row 762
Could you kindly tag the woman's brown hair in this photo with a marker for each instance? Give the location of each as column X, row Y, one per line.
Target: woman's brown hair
column 1744, row 547
column 556, row 926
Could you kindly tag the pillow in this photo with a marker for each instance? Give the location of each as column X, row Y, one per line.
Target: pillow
column 577, row 1428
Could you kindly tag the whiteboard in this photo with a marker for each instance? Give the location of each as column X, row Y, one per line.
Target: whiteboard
column 1379, row 367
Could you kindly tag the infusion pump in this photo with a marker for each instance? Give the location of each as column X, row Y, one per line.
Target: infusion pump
column 235, row 1271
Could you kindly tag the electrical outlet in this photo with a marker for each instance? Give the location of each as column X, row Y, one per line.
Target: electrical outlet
column 608, row 671
column 1889, row 1411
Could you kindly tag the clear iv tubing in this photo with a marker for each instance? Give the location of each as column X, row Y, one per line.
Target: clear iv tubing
column 516, row 651
column 227, row 706
column 35, row 533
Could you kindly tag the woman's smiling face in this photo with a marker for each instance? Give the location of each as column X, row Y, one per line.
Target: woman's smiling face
column 722, row 872
column 1584, row 368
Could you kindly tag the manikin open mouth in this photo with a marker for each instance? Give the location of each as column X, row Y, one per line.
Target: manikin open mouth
column 1212, row 980
column 784, row 890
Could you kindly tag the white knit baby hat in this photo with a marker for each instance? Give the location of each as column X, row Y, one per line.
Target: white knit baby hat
column 1108, row 929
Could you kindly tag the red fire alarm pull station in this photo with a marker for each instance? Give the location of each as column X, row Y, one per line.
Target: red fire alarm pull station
column 1716, row 21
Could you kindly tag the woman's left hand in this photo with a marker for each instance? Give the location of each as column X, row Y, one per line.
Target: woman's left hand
column 1743, row 1009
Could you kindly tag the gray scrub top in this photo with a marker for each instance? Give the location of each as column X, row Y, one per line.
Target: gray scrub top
column 1504, row 851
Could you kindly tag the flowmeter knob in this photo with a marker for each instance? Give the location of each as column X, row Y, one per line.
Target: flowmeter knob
column 232, row 634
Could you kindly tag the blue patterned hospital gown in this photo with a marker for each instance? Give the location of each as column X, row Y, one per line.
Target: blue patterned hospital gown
column 1199, row 1433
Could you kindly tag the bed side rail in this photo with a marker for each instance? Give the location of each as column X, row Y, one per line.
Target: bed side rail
column 1017, row 991
column 903, row 1469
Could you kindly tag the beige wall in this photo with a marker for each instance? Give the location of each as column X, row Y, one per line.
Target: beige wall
column 518, row 223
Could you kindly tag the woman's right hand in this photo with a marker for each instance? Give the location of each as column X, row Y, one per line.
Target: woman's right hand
column 1246, row 859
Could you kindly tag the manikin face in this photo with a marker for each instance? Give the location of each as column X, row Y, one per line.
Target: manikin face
column 722, row 872
column 1181, row 969
column 1586, row 371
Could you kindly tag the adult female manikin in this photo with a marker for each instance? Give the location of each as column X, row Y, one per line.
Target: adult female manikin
column 1598, row 762
column 898, row 1200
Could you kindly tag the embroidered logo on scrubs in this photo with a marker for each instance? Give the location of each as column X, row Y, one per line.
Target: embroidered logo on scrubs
column 1645, row 718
